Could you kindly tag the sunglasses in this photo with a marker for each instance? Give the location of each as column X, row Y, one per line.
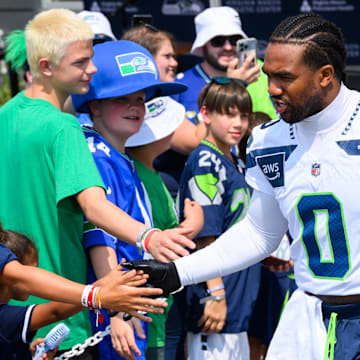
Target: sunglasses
column 222, row 80
column 149, row 26
column 219, row 41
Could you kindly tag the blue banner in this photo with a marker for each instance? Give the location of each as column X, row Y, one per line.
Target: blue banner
column 259, row 17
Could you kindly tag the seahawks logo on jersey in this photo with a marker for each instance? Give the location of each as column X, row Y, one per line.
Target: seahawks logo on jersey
column 136, row 63
column 208, row 189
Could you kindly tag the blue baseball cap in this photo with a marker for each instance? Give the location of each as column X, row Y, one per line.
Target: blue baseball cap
column 124, row 67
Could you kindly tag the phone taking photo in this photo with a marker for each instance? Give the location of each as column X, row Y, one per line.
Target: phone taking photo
column 141, row 19
column 245, row 48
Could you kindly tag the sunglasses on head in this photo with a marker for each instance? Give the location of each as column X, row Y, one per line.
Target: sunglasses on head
column 224, row 80
column 149, row 26
column 219, row 41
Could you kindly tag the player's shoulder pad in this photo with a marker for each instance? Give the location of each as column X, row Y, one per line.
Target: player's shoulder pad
column 271, row 144
column 268, row 134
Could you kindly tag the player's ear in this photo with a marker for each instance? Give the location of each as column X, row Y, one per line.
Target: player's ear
column 326, row 75
column 204, row 111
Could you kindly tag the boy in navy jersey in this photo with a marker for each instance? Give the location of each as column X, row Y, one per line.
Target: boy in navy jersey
column 219, row 310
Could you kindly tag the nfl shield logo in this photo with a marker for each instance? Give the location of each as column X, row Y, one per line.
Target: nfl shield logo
column 315, row 169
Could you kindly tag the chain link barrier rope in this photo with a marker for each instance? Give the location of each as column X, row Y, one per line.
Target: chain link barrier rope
column 80, row 348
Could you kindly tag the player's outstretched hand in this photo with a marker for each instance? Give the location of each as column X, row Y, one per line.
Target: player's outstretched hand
column 246, row 72
column 161, row 275
column 170, row 244
column 121, row 294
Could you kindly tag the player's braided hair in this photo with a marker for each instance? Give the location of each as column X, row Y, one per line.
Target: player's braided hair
column 323, row 40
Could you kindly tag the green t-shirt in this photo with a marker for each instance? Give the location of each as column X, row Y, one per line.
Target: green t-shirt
column 164, row 217
column 44, row 162
column 163, row 208
column 260, row 98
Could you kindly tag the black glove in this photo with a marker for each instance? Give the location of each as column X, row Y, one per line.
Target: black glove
column 161, row 275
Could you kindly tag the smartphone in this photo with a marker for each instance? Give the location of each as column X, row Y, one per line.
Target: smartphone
column 246, row 47
column 141, row 19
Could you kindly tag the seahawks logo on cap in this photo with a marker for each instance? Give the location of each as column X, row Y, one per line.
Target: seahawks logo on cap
column 136, row 63
column 155, row 108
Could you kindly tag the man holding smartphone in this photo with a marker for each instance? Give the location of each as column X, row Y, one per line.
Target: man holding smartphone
column 217, row 31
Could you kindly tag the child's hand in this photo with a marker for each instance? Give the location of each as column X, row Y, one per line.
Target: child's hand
column 169, row 244
column 47, row 356
column 246, row 72
column 115, row 294
column 122, row 336
column 214, row 316
column 113, row 276
column 194, row 216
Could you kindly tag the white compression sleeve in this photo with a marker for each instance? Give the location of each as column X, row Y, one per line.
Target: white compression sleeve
column 244, row 244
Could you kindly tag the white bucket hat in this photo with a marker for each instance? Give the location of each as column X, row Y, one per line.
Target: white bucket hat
column 163, row 116
column 215, row 21
column 98, row 22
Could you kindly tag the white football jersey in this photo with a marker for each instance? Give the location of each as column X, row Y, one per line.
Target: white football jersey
column 312, row 169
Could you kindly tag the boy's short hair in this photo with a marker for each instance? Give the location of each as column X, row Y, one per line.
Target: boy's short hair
column 50, row 33
column 222, row 94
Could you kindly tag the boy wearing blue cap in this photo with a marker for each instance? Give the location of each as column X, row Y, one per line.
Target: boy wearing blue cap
column 127, row 76
column 49, row 177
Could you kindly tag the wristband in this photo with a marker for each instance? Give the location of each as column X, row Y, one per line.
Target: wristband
column 212, row 297
column 90, row 298
column 85, row 295
column 139, row 239
column 89, row 295
column 146, row 238
column 98, row 299
column 215, row 288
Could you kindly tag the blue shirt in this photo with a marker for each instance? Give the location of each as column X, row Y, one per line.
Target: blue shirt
column 124, row 189
column 14, row 321
column 195, row 79
column 5, row 256
column 14, row 331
